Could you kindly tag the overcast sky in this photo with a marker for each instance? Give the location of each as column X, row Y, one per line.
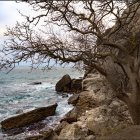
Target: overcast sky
column 9, row 14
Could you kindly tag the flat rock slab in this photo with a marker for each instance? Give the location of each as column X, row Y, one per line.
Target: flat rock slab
column 28, row 118
column 129, row 133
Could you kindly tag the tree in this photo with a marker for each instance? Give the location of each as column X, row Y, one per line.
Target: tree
column 90, row 41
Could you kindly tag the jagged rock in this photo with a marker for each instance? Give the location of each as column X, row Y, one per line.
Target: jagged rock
column 75, row 131
column 89, row 70
column 47, row 133
column 66, row 84
column 28, row 117
column 73, row 99
column 76, row 84
column 92, row 82
column 72, row 132
column 129, row 133
column 69, row 119
column 44, row 135
column 103, row 120
column 33, row 127
column 86, row 100
column 71, row 116
column 63, row 84
column 60, row 127
column 99, row 113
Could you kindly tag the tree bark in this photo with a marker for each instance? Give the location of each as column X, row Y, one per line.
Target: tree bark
column 134, row 110
column 132, row 72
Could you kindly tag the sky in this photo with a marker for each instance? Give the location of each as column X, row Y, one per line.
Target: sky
column 9, row 14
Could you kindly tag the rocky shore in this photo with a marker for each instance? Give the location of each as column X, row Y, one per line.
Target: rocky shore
column 96, row 114
column 28, row 118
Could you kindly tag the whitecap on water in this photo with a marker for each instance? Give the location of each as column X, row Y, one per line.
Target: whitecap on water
column 16, row 94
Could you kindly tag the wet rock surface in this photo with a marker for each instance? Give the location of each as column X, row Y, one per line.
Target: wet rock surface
column 60, row 127
column 28, row 118
column 96, row 113
column 66, row 84
column 76, row 84
column 63, row 84
column 32, row 127
column 36, row 83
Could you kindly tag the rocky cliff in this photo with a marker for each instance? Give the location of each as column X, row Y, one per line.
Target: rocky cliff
column 96, row 112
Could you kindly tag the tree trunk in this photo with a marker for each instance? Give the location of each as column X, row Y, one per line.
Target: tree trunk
column 134, row 103
column 134, row 109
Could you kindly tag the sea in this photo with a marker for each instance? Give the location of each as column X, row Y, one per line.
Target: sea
column 19, row 95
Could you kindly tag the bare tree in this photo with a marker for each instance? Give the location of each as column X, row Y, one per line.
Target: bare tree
column 90, row 41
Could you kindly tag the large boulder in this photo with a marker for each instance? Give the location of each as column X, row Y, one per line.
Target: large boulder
column 63, row 84
column 72, row 132
column 86, row 101
column 76, row 84
column 28, row 117
column 92, row 82
column 105, row 120
column 75, row 131
column 66, row 84
column 71, row 116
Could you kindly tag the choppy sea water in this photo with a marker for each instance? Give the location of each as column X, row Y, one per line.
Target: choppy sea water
column 17, row 94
